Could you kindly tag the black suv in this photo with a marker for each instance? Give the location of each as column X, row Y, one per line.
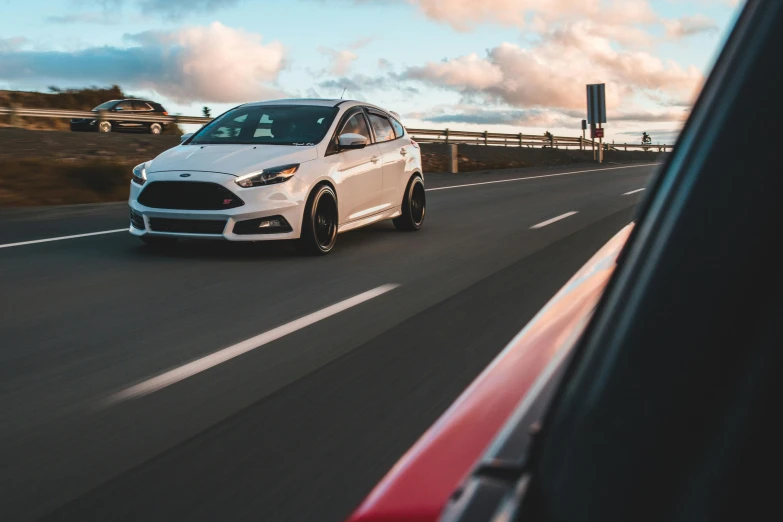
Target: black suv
column 116, row 109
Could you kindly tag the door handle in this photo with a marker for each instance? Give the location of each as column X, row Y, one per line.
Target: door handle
column 403, row 152
column 374, row 159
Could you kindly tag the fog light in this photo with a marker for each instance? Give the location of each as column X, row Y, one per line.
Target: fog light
column 266, row 225
column 270, row 223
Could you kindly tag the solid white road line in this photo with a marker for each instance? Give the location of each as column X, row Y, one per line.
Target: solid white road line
column 539, row 177
column 633, row 192
column 9, row 245
column 199, row 365
column 554, row 220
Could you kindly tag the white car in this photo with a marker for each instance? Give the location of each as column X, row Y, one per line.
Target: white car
column 287, row 169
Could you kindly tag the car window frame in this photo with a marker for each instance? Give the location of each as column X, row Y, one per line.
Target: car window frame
column 347, row 115
column 370, row 110
column 144, row 106
column 404, row 131
column 122, row 102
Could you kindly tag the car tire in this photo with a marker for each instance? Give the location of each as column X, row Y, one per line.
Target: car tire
column 414, row 206
column 156, row 128
column 319, row 223
column 104, row 126
column 158, row 241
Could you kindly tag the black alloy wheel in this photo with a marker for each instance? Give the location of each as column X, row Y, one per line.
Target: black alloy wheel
column 414, row 206
column 319, row 226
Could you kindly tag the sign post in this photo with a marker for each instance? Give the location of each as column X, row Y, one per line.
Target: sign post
column 584, row 128
column 600, row 144
column 596, row 114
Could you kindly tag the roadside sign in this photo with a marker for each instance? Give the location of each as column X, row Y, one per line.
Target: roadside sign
column 596, row 103
column 584, row 124
column 599, row 133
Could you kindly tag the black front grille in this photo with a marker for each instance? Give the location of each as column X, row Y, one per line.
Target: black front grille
column 188, row 195
column 136, row 220
column 188, row 226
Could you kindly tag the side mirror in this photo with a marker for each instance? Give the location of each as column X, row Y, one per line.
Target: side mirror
column 351, row 141
column 117, row 109
column 185, row 137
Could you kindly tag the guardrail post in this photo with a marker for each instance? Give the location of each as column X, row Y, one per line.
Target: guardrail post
column 13, row 118
column 520, row 139
column 447, row 135
column 454, row 159
column 102, row 115
column 485, row 138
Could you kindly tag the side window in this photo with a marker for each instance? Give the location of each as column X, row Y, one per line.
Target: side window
column 141, row 106
column 382, row 127
column 124, row 106
column 399, row 131
column 356, row 124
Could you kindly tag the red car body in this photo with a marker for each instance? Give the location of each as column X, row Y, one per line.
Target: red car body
column 418, row 487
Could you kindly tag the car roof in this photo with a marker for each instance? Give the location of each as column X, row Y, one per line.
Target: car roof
column 319, row 102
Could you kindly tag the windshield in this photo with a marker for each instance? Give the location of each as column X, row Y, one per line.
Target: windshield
column 270, row 125
column 106, row 105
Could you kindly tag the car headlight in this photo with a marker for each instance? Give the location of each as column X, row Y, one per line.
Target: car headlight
column 267, row 176
column 140, row 174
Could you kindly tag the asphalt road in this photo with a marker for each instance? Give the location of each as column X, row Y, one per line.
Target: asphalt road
column 299, row 422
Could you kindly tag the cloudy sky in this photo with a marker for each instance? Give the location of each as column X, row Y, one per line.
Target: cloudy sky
column 501, row 65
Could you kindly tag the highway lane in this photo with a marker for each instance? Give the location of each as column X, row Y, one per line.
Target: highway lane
column 305, row 424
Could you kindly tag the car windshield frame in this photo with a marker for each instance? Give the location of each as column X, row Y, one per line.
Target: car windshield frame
column 106, row 105
column 254, row 121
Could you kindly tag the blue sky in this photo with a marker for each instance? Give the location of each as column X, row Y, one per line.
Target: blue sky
column 505, row 65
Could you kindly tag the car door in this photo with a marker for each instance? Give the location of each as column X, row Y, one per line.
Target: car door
column 143, row 109
column 394, row 149
column 359, row 172
column 122, row 108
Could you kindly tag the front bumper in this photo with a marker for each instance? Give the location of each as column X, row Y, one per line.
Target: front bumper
column 285, row 199
column 83, row 125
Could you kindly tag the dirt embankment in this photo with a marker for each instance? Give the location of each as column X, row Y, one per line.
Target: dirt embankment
column 61, row 168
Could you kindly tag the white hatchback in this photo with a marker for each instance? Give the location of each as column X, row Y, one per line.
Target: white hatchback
column 287, row 169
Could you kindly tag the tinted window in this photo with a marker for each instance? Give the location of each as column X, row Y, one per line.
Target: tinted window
column 382, row 127
column 269, row 124
column 356, row 124
column 141, row 106
column 106, row 105
column 399, row 131
column 124, row 106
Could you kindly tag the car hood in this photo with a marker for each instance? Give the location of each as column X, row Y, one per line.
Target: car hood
column 236, row 160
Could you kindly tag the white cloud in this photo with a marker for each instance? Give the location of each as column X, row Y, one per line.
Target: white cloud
column 463, row 15
column 466, row 72
column 12, row 44
column 342, row 60
column 211, row 63
column 689, row 26
column 554, row 72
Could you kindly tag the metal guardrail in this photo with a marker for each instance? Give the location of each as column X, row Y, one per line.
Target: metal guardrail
column 102, row 115
column 520, row 140
column 420, row 135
